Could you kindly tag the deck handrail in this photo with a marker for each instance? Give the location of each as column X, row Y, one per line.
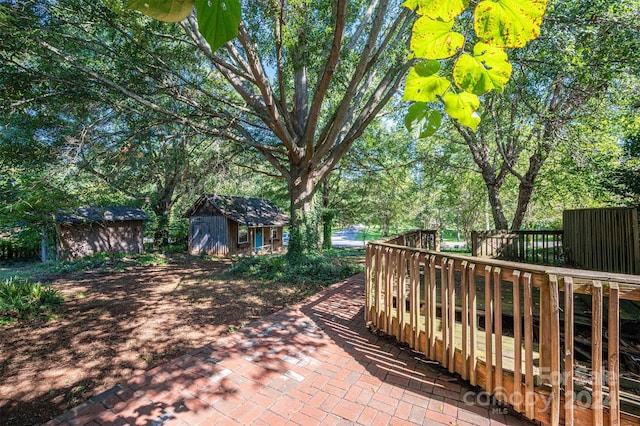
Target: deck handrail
column 404, row 284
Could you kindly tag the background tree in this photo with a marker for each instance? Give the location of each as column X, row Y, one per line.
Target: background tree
column 302, row 80
column 555, row 85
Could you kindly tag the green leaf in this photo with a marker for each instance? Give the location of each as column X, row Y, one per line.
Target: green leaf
column 462, row 108
column 433, row 39
column 444, row 10
column 423, row 119
column 423, row 83
column 486, row 70
column 427, row 68
column 431, row 124
column 509, row 23
column 163, row 10
column 218, row 20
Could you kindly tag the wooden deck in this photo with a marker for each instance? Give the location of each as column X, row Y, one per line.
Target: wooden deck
column 524, row 354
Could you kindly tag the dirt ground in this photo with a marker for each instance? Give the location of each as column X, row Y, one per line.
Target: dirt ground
column 114, row 325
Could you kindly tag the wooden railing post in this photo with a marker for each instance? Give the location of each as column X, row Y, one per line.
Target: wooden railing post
column 528, row 346
column 596, row 353
column 488, row 330
column 497, row 313
column 451, row 295
column 545, row 333
column 367, row 283
column 517, row 343
column 464, row 316
column 379, row 285
column 444, row 318
column 555, row 373
column 614, row 354
column 568, row 351
column 473, row 325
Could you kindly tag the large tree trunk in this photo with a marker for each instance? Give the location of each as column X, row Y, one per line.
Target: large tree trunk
column 493, row 192
column 303, row 225
column 525, row 189
column 327, row 217
column 162, row 209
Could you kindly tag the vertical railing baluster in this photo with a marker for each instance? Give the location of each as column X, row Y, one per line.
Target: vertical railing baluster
column 432, row 323
column 388, row 302
column 528, row 346
column 488, row 330
column 379, row 284
column 517, row 343
column 596, row 353
column 473, row 326
column 401, row 301
column 414, row 302
column 444, row 303
column 568, row 351
column 451, row 295
column 614, row 353
column 464, row 317
column 367, row 282
column 555, row 349
column 497, row 313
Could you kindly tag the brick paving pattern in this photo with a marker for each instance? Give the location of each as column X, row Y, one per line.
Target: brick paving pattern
column 311, row 364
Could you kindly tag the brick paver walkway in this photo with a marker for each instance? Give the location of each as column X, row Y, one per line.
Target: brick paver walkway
column 313, row 363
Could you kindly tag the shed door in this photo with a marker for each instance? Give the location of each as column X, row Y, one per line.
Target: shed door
column 258, row 239
column 209, row 235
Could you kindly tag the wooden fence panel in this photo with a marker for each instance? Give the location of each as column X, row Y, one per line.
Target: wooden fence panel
column 603, row 239
column 544, row 247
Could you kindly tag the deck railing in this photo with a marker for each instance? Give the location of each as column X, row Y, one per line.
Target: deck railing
column 540, row 247
column 454, row 309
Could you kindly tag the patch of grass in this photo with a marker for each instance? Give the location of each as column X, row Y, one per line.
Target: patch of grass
column 308, row 273
column 22, row 299
column 460, row 250
column 23, row 270
column 103, row 261
column 96, row 261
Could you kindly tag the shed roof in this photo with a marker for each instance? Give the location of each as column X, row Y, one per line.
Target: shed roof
column 99, row 214
column 245, row 211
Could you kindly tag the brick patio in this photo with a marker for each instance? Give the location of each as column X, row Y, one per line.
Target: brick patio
column 313, row 363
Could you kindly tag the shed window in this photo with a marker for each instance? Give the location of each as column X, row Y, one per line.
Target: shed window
column 243, row 235
column 274, row 233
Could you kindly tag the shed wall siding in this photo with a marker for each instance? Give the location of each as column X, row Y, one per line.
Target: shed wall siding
column 208, row 235
column 78, row 240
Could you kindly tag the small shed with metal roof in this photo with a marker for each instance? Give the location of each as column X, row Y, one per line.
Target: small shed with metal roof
column 223, row 225
column 89, row 230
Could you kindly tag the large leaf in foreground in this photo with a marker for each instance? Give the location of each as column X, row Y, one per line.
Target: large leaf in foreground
column 424, row 120
column 433, row 39
column 486, row 70
column 462, row 108
column 218, row 20
column 424, row 84
column 509, row 23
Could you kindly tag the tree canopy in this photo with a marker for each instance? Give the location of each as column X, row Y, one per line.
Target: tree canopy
column 103, row 103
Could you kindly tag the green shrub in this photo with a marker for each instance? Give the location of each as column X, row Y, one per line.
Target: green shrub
column 309, row 272
column 23, row 299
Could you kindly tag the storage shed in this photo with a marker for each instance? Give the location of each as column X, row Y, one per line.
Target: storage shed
column 90, row 230
column 225, row 225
